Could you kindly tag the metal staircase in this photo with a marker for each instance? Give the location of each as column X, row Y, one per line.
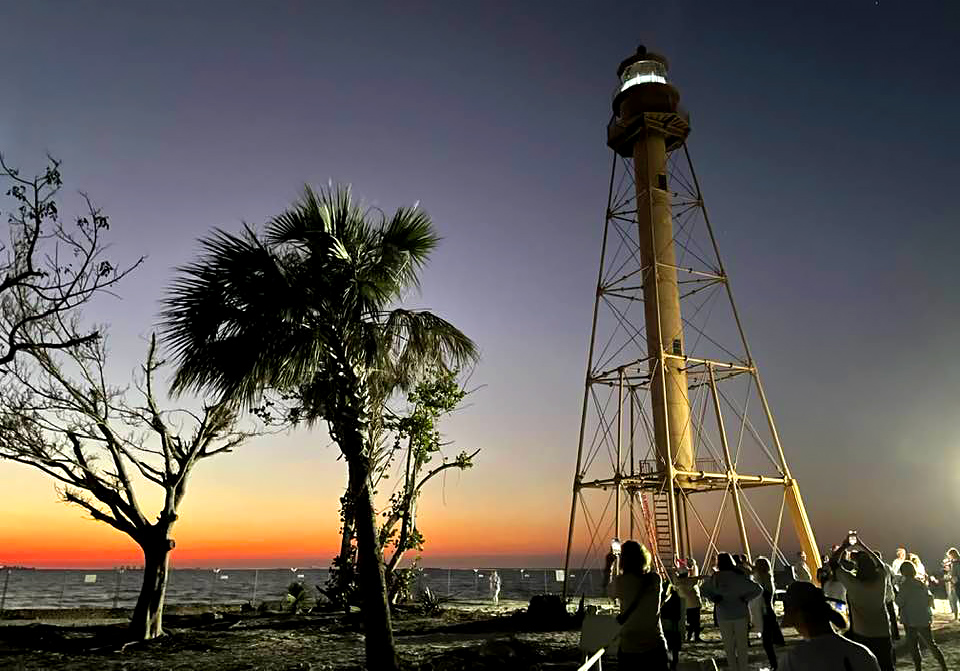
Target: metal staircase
column 658, row 531
column 661, row 524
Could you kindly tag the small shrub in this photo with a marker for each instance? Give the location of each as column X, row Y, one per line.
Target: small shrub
column 548, row 612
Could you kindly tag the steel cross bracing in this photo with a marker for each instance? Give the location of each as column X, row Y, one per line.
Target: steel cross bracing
column 725, row 497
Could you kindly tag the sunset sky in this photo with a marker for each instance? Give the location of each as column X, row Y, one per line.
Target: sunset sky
column 826, row 144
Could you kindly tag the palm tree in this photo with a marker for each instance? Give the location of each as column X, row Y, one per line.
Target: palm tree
column 309, row 306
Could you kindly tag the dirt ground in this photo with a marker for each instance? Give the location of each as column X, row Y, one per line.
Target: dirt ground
column 459, row 638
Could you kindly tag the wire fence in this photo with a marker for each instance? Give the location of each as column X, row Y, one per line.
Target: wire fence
column 23, row 588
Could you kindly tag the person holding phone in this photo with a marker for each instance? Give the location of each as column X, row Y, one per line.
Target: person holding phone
column 865, row 583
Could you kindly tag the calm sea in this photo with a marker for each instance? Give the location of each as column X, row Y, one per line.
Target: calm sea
column 72, row 588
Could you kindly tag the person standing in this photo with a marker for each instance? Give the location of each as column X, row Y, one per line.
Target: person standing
column 671, row 615
column 888, row 597
column 823, row 649
column 895, row 565
column 769, row 629
column 921, row 569
column 756, row 605
column 951, row 576
column 801, row 572
column 688, row 585
column 642, row 644
column 495, row 584
column 916, row 611
column 833, row 590
column 865, row 583
column 731, row 591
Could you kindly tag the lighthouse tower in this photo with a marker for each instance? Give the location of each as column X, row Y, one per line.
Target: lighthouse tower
column 677, row 445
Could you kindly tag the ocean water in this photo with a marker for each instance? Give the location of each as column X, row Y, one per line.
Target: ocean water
column 76, row 588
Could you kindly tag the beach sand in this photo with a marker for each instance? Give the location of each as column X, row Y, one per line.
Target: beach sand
column 464, row 636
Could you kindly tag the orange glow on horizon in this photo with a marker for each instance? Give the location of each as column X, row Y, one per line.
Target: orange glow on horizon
column 70, row 541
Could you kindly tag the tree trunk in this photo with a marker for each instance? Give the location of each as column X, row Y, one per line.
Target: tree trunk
column 378, row 632
column 345, row 562
column 406, row 523
column 147, row 620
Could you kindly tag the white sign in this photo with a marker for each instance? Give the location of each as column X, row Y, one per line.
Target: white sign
column 559, row 575
column 90, row 578
column 224, row 577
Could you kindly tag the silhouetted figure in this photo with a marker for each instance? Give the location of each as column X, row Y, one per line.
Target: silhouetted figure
column 889, row 593
column 671, row 613
column 916, row 611
column 833, row 590
column 823, row 649
column 769, row 628
column 642, row 644
column 755, row 606
column 866, row 591
column 951, row 577
column 731, row 591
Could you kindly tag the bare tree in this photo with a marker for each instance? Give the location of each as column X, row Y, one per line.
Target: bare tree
column 59, row 415
column 48, row 268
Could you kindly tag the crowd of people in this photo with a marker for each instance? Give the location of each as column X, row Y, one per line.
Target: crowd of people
column 849, row 622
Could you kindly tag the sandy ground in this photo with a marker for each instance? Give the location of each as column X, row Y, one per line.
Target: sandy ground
column 469, row 636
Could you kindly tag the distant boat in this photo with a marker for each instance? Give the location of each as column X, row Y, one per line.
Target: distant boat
column 19, row 568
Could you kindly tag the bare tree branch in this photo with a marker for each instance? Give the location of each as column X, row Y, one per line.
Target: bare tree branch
column 49, row 268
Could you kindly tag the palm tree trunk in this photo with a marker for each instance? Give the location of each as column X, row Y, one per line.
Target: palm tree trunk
column 147, row 620
column 378, row 631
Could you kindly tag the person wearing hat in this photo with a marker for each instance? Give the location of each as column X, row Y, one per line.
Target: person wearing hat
column 806, row 609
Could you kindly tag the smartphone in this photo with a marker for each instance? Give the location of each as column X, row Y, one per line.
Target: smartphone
column 615, row 546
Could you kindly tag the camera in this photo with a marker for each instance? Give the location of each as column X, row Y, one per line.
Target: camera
column 852, row 538
column 615, row 546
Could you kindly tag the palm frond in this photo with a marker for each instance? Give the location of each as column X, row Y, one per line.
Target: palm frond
column 418, row 339
column 222, row 320
column 281, row 310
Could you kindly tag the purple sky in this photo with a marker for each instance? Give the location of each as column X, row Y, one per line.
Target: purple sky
column 824, row 136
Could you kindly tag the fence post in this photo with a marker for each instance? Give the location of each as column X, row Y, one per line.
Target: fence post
column 116, row 591
column 256, row 579
column 63, row 588
column 213, row 585
column 3, row 599
column 448, row 583
column 544, row 581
